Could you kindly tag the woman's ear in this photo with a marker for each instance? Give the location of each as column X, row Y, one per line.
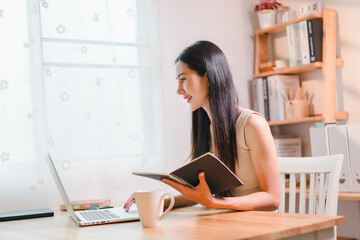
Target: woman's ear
column 206, row 77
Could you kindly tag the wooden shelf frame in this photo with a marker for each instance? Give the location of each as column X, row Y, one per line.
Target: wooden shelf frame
column 279, row 28
column 328, row 65
column 339, row 116
column 315, row 66
column 347, row 196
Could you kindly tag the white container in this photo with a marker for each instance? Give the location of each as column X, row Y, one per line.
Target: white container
column 267, row 18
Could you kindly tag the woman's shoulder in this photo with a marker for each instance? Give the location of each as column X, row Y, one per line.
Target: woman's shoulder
column 251, row 119
column 249, row 124
column 244, row 113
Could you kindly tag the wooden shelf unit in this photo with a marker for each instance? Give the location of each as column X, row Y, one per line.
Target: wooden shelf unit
column 347, row 196
column 279, row 28
column 315, row 66
column 317, row 118
column 328, row 65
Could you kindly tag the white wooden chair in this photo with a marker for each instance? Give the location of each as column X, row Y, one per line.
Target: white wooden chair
column 323, row 175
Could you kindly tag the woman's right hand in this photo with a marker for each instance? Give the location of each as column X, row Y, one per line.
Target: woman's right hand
column 129, row 202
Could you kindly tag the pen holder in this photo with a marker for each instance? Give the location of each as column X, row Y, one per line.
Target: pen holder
column 295, row 109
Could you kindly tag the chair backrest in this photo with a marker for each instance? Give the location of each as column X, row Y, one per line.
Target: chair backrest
column 319, row 178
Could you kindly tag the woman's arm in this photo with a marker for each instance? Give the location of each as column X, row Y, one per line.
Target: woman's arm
column 263, row 155
column 180, row 201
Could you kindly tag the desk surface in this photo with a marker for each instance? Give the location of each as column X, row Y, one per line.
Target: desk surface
column 185, row 223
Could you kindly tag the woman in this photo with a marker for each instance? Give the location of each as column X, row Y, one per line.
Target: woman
column 239, row 137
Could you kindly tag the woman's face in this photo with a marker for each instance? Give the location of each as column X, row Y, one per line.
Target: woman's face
column 192, row 87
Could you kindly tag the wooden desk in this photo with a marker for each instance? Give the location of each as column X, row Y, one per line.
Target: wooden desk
column 185, row 223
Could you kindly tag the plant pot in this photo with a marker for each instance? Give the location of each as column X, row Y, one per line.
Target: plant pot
column 267, row 18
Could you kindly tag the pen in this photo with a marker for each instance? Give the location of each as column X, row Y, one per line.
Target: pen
column 298, row 94
column 291, row 94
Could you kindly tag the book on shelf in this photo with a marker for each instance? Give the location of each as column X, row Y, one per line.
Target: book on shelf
column 304, row 42
column 294, row 45
column 278, row 87
column 287, row 146
column 218, row 176
column 266, row 98
column 315, row 36
column 255, row 94
column 258, row 96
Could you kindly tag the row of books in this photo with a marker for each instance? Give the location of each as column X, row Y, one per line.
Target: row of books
column 305, row 42
column 287, row 146
column 270, row 94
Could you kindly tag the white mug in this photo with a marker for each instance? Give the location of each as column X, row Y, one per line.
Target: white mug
column 150, row 204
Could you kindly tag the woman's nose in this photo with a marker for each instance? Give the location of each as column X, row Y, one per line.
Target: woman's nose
column 180, row 90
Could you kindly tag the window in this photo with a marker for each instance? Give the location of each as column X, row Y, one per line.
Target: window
column 81, row 80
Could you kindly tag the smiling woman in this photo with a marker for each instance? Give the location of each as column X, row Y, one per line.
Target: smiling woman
column 240, row 137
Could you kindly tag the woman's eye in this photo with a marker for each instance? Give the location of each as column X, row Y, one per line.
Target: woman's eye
column 182, row 79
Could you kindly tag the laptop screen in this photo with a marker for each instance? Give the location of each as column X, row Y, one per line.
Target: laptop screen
column 60, row 187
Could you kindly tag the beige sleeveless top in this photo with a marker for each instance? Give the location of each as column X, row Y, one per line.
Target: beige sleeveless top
column 244, row 169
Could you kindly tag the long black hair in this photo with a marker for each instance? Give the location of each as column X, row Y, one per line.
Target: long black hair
column 205, row 57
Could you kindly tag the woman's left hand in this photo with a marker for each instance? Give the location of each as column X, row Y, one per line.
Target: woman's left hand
column 201, row 193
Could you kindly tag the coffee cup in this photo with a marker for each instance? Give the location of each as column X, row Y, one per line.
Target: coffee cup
column 150, row 204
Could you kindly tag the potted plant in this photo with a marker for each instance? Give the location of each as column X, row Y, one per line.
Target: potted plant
column 267, row 12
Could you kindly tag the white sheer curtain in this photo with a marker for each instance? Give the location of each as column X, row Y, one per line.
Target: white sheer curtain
column 78, row 79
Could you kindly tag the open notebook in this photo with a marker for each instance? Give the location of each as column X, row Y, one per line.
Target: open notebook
column 218, row 176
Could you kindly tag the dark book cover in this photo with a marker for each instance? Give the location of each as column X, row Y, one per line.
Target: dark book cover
column 26, row 214
column 266, row 98
column 218, row 176
column 315, row 35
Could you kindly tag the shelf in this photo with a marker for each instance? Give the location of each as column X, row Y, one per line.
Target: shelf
column 263, row 65
column 316, row 118
column 298, row 69
column 279, row 28
column 350, row 196
column 347, row 196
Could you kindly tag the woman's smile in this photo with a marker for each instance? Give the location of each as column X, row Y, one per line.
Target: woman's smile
column 188, row 98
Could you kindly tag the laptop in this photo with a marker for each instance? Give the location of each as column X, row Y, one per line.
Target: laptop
column 91, row 217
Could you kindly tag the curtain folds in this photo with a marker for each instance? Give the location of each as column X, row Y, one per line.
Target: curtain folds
column 81, row 80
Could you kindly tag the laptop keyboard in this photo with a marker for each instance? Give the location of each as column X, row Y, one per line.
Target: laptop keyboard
column 98, row 215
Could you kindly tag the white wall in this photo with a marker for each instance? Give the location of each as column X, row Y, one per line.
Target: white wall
column 226, row 23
